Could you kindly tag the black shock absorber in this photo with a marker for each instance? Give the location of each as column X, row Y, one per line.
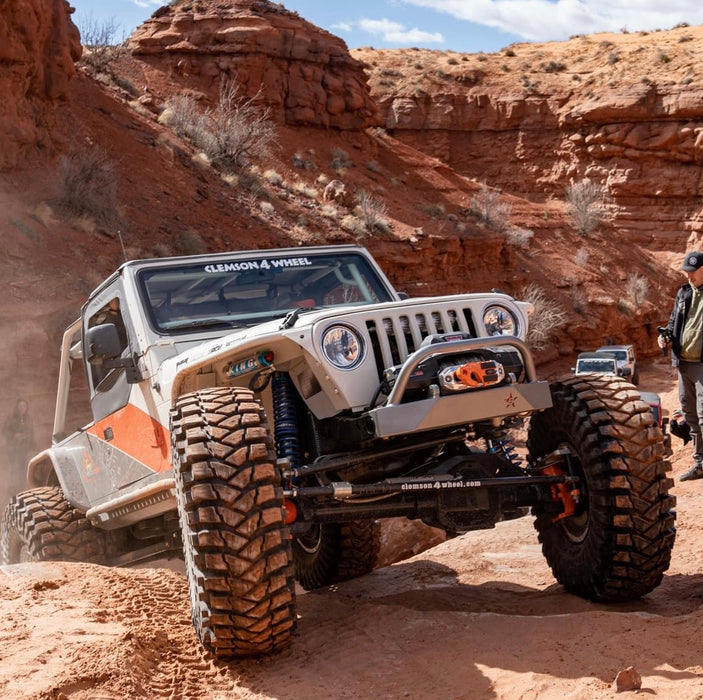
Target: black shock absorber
column 286, row 432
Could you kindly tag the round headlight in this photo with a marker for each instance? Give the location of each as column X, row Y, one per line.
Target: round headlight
column 342, row 347
column 499, row 321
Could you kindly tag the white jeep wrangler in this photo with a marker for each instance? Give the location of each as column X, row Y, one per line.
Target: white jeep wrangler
column 259, row 412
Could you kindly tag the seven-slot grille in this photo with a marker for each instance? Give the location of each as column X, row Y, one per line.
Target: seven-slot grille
column 398, row 333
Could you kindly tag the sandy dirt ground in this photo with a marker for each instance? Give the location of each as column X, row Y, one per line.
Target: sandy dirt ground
column 479, row 616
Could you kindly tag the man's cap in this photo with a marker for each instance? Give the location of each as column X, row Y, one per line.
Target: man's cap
column 692, row 261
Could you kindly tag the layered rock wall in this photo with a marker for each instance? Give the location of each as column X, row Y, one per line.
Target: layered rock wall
column 38, row 45
column 643, row 140
column 302, row 73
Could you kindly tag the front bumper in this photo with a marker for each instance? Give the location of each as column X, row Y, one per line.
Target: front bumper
column 397, row 418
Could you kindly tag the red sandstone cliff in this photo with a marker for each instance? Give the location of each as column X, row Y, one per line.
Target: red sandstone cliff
column 305, row 75
column 625, row 110
column 38, row 45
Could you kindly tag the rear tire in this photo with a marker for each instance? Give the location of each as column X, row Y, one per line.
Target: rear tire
column 236, row 549
column 336, row 552
column 41, row 525
column 617, row 545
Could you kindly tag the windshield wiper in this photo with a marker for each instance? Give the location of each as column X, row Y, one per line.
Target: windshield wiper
column 292, row 316
column 290, row 319
column 203, row 323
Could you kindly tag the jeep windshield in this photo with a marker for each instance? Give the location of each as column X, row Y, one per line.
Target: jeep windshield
column 244, row 292
column 595, row 365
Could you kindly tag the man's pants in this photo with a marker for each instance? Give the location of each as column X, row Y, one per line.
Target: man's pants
column 691, row 398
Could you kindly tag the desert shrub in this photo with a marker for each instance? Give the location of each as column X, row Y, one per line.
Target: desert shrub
column 329, row 210
column 162, row 250
column 127, row 85
column 88, row 184
column 579, row 299
column 372, row 211
column 231, row 134
column 489, row 210
column 273, row 177
column 304, row 190
column 547, row 318
column 340, row 159
column 183, row 115
column 99, row 40
column 267, row 209
column 585, row 204
column 637, row 288
column 299, row 161
column 250, row 181
column 519, row 237
column 554, row 67
column 189, row 242
column 353, row 225
column 237, row 129
column 435, row 211
column 581, row 257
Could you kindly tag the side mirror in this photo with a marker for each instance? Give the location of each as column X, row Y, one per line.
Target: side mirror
column 103, row 347
column 102, row 343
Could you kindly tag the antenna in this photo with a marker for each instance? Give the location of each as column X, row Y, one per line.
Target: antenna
column 124, row 252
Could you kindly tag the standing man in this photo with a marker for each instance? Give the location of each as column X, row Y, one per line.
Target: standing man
column 686, row 339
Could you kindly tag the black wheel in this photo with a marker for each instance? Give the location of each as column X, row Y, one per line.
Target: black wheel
column 635, row 374
column 41, row 525
column 236, row 549
column 617, row 544
column 331, row 553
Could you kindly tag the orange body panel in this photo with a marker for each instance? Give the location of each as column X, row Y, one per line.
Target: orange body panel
column 137, row 434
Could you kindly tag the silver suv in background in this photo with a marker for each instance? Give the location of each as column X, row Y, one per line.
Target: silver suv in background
column 625, row 355
column 597, row 363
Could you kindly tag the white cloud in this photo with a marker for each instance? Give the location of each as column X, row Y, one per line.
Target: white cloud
column 342, row 26
column 545, row 20
column 147, row 3
column 396, row 33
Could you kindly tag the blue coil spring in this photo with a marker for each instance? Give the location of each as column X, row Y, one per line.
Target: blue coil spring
column 505, row 445
column 285, row 420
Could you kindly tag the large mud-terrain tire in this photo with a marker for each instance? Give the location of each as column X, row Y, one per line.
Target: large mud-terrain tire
column 230, row 501
column 331, row 553
column 617, row 545
column 41, row 525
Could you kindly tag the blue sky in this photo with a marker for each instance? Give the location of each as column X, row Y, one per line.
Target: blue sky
column 468, row 26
